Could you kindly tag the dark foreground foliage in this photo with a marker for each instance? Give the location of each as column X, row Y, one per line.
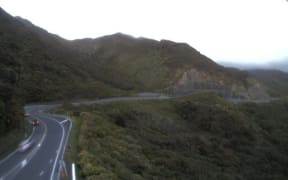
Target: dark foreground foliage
column 11, row 112
column 196, row 137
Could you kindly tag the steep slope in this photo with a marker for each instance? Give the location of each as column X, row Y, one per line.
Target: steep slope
column 200, row 136
column 174, row 68
column 10, row 102
column 46, row 66
column 274, row 81
column 49, row 67
column 38, row 66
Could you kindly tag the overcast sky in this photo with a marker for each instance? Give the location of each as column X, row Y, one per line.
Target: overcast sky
column 250, row 31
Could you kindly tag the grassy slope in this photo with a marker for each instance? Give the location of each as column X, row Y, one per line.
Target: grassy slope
column 196, row 137
column 145, row 64
column 10, row 140
column 275, row 81
column 45, row 66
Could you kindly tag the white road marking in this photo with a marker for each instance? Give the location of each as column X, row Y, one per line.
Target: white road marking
column 60, row 147
column 15, row 170
column 23, row 163
column 11, row 154
column 57, row 152
column 64, row 121
column 41, row 173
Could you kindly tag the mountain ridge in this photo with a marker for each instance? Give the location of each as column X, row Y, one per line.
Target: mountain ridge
column 280, row 65
column 118, row 61
column 275, row 81
column 37, row 66
column 179, row 59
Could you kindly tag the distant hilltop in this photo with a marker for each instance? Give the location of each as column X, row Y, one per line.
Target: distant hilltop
column 48, row 67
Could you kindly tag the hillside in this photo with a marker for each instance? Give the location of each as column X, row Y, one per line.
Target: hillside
column 46, row 65
column 49, row 67
column 10, row 101
column 200, row 136
column 165, row 66
column 280, row 65
column 38, row 66
column 274, row 81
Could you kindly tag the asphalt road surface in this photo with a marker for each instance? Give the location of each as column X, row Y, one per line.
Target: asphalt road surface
column 44, row 159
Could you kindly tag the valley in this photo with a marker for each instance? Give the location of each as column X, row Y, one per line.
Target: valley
column 192, row 118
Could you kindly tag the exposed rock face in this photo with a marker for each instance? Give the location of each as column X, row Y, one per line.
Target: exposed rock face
column 50, row 64
column 274, row 81
column 194, row 80
column 174, row 68
column 257, row 91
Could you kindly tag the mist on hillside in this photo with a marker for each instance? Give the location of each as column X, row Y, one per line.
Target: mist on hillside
column 281, row 65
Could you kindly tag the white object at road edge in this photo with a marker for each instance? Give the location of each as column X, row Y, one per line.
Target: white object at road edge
column 23, row 163
column 73, row 172
column 64, row 121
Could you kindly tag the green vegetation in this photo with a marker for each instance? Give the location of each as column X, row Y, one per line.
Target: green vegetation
column 36, row 66
column 73, row 143
column 275, row 81
column 201, row 136
column 47, row 67
column 10, row 141
column 195, row 137
column 10, row 138
column 44, row 66
column 11, row 112
column 148, row 65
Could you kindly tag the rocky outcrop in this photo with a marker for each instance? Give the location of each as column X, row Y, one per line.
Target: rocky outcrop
column 194, row 80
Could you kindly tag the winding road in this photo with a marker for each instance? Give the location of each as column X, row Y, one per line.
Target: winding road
column 44, row 159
